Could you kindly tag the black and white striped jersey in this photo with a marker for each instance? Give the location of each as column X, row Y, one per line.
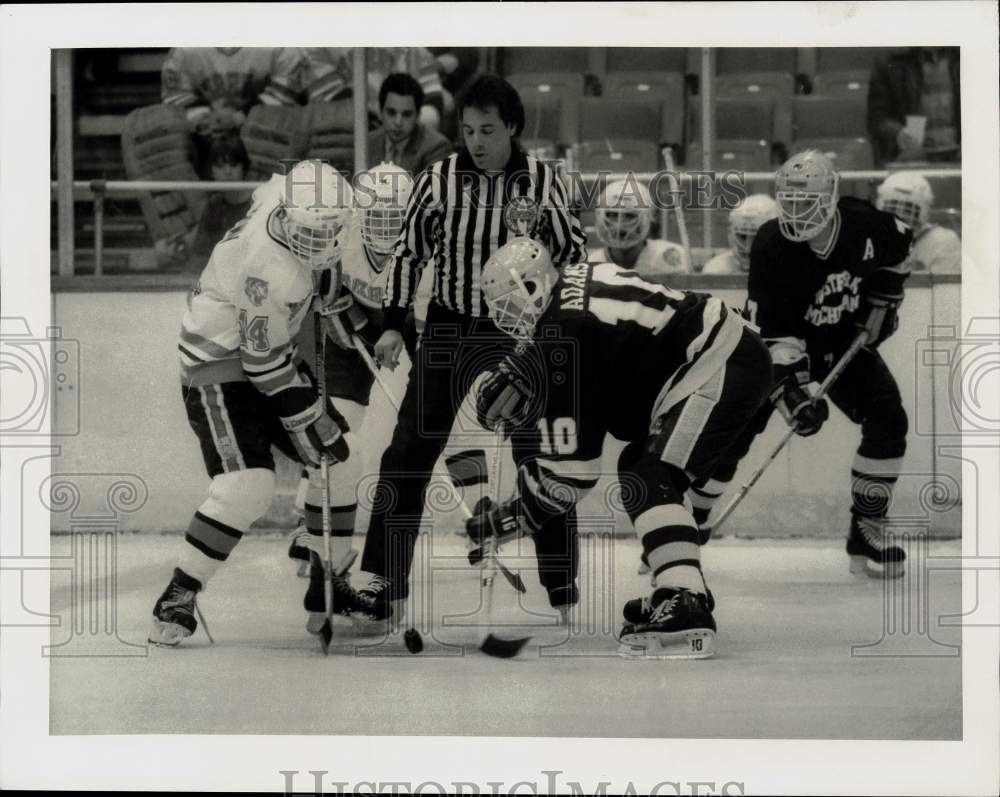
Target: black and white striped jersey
column 458, row 217
column 612, row 353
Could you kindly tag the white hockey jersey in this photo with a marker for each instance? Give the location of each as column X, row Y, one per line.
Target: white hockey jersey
column 724, row 263
column 246, row 309
column 937, row 249
column 657, row 257
column 364, row 274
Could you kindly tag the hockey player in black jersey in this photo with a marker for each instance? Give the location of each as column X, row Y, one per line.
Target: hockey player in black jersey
column 675, row 375
column 826, row 268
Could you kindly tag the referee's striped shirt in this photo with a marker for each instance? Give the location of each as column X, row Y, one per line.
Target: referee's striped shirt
column 455, row 219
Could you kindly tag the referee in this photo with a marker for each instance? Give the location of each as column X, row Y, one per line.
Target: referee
column 461, row 211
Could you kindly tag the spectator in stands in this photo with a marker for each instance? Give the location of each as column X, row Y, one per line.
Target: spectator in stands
column 921, row 83
column 909, row 197
column 457, row 66
column 744, row 221
column 229, row 163
column 403, row 139
column 330, row 76
column 217, row 87
column 624, row 218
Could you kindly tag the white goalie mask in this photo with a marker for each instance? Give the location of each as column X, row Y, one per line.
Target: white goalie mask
column 908, row 196
column 806, row 187
column 382, row 195
column 517, row 283
column 624, row 215
column 744, row 221
column 316, row 203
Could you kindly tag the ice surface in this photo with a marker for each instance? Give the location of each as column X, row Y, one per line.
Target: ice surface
column 788, row 615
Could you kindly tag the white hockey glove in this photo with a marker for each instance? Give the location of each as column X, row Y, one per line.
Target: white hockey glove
column 342, row 318
column 316, row 431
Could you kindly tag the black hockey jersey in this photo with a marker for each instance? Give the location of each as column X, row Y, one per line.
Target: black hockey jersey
column 612, row 352
column 804, row 301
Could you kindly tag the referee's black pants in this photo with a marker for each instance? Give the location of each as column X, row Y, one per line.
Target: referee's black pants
column 453, row 351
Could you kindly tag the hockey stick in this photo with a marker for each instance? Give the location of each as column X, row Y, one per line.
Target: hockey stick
column 492, row 645
column 512, row 578
column 668, row 159
column 326, row 633
column 825, row 385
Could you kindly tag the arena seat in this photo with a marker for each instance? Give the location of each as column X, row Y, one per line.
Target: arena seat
column 840, row 59
column 556, row 84
column 736, row 118
column 550, row 117
column 756, row 59
column 646, row 59
column 829, row 117
column 618, row 155
column 740, row 154
column 779, row 87
column 664, row 87
column 610, row 117
column 846, row 83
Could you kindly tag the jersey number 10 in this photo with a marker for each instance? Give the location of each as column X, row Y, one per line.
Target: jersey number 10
column 561, row 439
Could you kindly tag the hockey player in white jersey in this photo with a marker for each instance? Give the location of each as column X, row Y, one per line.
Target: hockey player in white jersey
column 244, row 386
column 744, row 221
column 909, row 197
column 624, row 218
column 380, row 202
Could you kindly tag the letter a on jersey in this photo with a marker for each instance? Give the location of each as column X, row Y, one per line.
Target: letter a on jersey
column 869, row 250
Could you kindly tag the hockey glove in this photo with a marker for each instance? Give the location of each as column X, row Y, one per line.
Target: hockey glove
column 799, row 409
column 352, row 321
column 316, row 431
column 505, row 396
column 881, row 319
column 504, row 521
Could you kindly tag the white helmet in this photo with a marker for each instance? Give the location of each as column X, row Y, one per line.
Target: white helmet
column 744, row 221
column 517, row 284
column 381, row 197
column 624, row 215
column 806, row 190
column 908, row 196
column 316, row 204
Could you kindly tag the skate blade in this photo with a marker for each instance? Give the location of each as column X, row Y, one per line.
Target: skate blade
column 303, row 571
column 365, row 627
column 318, row 626
column 863, row 566
column 695, row 644
column 167, row 635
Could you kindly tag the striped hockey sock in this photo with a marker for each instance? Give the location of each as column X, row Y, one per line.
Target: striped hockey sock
column 669, row 538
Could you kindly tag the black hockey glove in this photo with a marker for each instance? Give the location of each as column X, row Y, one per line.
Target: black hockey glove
column 505, row 396
column 504, row 521
column 881, row 319
column 799, row 408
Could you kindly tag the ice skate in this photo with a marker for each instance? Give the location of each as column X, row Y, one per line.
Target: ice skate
column 870, row 556
column 373, row 612
column 314, row 602
column 674, row 624
column 298, row 550
column 173, row 613
column 564, row 600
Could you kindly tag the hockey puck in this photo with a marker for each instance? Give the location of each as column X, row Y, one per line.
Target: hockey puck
column 413, row 641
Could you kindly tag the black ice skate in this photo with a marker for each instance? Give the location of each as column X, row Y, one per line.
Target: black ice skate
column 173, row 614
column 344, row 596
column 373, row 609
column 870, row 556
column 636, row 610
column 676, row 624
column 564, row 600
column 298, row 550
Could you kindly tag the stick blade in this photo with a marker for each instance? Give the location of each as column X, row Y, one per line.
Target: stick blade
column 325, row 635
column 502, row 648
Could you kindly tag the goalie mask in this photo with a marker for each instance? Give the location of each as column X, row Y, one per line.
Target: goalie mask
column 744, row 221
column 908, row 196
column 517, row 283
column 806, row 190
column 624, row 215
column 316, row 206
column 382, row 194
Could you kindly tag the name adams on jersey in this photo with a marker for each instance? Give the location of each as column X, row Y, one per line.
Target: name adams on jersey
column 803, row 300
column 247, row 307
column 614, row 352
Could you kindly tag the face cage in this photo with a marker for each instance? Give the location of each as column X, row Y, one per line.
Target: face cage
column 380, row 227
column 910, row 213
column 621, row 229
column 802, row 215
column 315, row 247
column 740, row 240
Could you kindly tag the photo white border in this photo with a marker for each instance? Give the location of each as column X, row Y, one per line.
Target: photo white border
column 30, row 758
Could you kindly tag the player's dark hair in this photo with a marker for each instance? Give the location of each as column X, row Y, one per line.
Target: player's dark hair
column 492, row 91
column 402, row 84
column 228, row 150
